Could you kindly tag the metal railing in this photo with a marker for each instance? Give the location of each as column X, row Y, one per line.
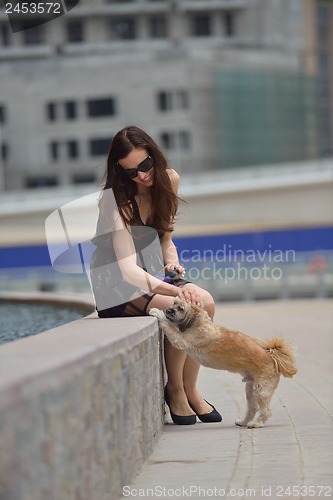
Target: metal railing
column 310, row 275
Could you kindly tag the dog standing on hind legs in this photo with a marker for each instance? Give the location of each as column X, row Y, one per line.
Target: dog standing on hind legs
column 261, row 363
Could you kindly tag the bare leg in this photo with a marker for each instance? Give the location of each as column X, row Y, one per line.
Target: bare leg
column 174, row 363
column 190, row 376
column 182, row 370
column 191, row 367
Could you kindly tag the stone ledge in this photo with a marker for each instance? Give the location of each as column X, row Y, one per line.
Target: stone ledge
column 75, row 300
column 81, row 408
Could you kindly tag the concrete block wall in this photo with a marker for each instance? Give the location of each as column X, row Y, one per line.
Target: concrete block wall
column 81, row 408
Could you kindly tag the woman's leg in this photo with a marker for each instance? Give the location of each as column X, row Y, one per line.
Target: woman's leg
column 174, row 363
column 191, row 367
column 182, row 370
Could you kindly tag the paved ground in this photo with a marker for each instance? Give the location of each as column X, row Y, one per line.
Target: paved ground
column 292, row 457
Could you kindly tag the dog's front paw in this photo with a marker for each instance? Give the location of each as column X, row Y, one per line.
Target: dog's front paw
column 157, row 313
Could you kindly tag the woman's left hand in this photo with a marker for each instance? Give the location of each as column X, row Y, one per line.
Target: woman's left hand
column 180, row 270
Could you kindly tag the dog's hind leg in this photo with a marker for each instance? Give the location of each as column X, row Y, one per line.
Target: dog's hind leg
column 263, row 392
column 251, row 405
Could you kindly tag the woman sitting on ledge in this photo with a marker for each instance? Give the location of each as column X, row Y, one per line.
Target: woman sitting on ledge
column 138, row 206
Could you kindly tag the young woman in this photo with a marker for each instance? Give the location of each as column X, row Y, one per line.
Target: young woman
column 145, row 190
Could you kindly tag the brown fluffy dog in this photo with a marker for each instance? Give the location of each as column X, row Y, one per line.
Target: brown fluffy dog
column 259, row 362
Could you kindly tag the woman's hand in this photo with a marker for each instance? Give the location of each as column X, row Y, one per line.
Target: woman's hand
column 177, row 267
column 190, row 295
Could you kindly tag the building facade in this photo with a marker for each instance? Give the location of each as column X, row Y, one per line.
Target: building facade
column 217, row 83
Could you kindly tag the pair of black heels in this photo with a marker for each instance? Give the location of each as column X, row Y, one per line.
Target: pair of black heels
column 213, row 416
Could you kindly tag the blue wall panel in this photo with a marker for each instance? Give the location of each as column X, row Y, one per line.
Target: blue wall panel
column 298, row 240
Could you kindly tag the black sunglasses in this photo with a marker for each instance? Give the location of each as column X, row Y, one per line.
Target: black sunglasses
column 146, row 165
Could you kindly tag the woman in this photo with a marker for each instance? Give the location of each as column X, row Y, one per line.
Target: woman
column 145, row 193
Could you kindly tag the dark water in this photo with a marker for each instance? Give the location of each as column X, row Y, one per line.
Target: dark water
column 18, row 319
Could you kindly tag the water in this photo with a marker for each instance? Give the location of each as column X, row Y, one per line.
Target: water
column 19, row 319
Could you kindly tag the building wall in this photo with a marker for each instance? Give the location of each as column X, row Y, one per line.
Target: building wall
column 266, row 117
column 133, row 68
column 324, row 21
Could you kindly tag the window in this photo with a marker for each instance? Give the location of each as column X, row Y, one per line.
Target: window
column 3, row 116
column 33, row 36
column 75, row 31
column 51, row 111
column 184, row 139
column 4, row 151
column 83, row 178
column 4, row 35
column 168, row 140
column 164, row 101
column 99, row 147
column 54, row 150
column 72, row 149
column 101, row 107
column 70, row 4
column 229, row 23
column 123, row 29
column 181, row 99
column 157, row 27
column 201, row 25
column 172, row 100
column 41, row 182
column 70, row 110
column 180, row 140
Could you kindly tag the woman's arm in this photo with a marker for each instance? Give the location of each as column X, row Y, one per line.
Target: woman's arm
column 126, row 259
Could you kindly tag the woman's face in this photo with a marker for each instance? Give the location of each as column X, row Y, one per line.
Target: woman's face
column 133, row 160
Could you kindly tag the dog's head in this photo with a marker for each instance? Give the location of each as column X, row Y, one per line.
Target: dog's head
column 185, row 315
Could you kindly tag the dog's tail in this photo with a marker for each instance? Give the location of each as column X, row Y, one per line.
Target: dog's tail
column 283, row 354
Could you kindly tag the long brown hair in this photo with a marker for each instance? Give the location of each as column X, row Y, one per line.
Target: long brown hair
column 164, row 201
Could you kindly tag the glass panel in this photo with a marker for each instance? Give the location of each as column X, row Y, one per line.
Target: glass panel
column 101, row 107
column 201, row 25
column 100, row 146
column 75, row 31
column 40, row 182
column 70, row 109
column 168, row 140
column 123, row 28
column 158, row 27
column 54, row 150
column 51, row 111
column 72, row 149
column 2, row 114
column 33, row 36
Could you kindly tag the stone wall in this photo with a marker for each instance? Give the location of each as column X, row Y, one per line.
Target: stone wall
column 81, row 408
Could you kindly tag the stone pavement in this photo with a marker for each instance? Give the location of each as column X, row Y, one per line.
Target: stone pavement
column 292, row 456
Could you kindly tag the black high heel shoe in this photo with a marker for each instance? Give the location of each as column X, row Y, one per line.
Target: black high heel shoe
column 179, row 419
column 213, row 416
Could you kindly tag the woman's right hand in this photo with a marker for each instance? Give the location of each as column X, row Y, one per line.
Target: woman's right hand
column 190, row 295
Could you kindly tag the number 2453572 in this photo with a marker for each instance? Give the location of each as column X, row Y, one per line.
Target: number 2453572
column 33, row 8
